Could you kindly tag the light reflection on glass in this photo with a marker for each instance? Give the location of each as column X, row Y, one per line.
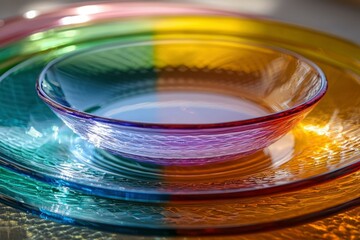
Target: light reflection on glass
column 36, row 36
column 317, row 129
column 282, row 150
column 55, row 132
column 74, row 19
column 67, row 49
column 69, row 33
column 324, row 130
column 31, row 14
column 88, row 10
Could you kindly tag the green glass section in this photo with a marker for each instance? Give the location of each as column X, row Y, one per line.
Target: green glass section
column 69, row 39
column 34, row 141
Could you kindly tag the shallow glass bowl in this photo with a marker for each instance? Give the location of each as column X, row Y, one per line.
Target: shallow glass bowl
column 175, row 101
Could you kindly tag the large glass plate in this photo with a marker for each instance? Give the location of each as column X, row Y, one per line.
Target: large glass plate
column 34, row 142
column 214, row 217
column 326, row 143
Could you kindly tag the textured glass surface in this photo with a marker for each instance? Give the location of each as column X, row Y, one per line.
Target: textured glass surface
column 182, row 102
column 61, row 157
column 172, row 218
column 326, row 144
column 16, row 225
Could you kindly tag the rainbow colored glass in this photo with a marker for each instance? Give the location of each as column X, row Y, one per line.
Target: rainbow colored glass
column 319, row 167
column 182, row 101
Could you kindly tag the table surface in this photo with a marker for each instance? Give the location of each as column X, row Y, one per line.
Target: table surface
column 341, row 18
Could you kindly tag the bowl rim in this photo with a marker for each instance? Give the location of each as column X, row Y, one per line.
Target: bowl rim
column 278, row 115
column 246, row 122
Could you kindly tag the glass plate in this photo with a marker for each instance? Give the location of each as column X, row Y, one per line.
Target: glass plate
column 327, row 141
column 34, row 142
column 214, row 217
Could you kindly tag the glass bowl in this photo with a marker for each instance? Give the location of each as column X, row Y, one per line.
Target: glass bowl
column 182, row 101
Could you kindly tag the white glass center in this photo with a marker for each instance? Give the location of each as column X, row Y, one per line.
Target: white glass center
column 176, row 107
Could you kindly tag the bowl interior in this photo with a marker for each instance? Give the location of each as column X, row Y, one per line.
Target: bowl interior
column 181, row 81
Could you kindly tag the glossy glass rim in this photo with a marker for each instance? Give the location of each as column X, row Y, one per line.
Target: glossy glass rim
column 16, row 29
column 173, row 231
column 50, row 19
column 278, row 115
column 51, row 212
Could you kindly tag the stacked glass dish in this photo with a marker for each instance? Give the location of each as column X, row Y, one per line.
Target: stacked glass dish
column 151, row 95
